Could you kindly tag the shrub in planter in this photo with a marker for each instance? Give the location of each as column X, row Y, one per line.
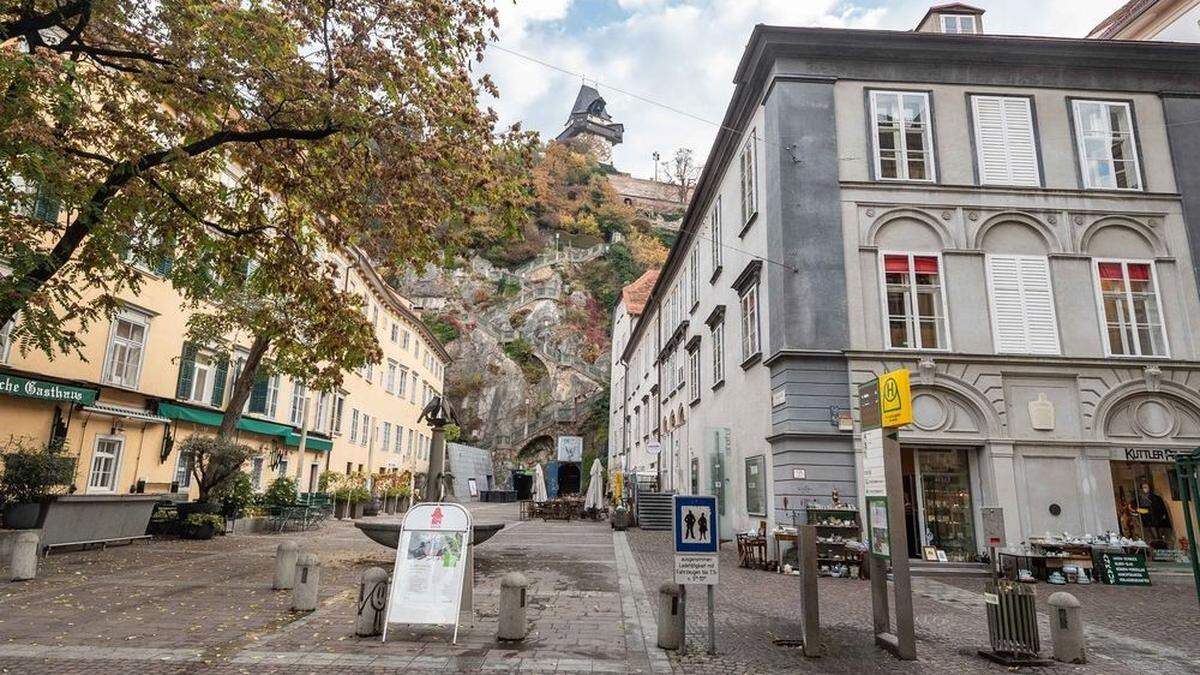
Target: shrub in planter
column 280, row 492
column 235, row 495
column 203, row 526
column 31, row 476
column 215, row 461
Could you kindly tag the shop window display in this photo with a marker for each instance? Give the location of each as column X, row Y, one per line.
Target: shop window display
column 1148, row 505
column 938, row 503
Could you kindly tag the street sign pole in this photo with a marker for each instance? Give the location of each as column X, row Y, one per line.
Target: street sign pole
column 884, row 405
column 712, row 622
column 696, row 535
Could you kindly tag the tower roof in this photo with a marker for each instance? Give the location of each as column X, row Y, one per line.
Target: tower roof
column 589, row 101
column 589, row 116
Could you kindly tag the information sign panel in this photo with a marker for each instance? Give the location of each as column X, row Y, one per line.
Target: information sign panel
column 694, row 523
column 428, row 576
column 700, row 569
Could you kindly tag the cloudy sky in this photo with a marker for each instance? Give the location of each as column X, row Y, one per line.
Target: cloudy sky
column 682, row 53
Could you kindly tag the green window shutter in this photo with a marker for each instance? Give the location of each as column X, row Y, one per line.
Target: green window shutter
column 258, row 395
column 218, row 395
column 187, row 370
column 45, row 204
column 164, row 267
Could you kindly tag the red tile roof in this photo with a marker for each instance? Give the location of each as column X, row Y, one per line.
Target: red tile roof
column 637, row 293
column 1120, row 19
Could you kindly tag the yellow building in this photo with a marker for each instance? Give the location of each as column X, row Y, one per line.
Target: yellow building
column 140, row 389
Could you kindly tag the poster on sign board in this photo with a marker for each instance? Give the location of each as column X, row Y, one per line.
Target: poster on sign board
column 428, row 575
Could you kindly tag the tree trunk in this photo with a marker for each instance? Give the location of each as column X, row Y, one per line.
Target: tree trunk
column 243, row 386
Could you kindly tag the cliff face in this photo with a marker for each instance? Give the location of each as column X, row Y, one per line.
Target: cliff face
column 527, row 318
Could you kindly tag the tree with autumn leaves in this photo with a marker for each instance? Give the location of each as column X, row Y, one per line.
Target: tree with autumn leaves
column 235, row 144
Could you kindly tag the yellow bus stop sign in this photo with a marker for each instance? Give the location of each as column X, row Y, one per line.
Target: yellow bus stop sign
column 895, row 399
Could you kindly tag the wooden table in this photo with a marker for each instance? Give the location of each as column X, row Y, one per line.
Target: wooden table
column 781, row 537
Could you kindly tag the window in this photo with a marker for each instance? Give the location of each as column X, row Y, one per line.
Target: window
column 390, row 383
column 1023, row 318
column 5, row 342
column 749, row 179
column 399, row 439
column 339, row 407
column 412, row 434
column 1107, row 147
column 386, row 441
column 714, row 220
column 749, row 306
column 126, row 349
column 282, row 469
column 364, row 434
column 402, row 382
column 183, row 471
column 395, row 333
column 694, row 374
column 756, row 486
column 1133, row 324
column 323, row 411
column 718, row 353
column 203, row 377
column 694, row 277
column 299, row 403
column 902, row 129
column 404, row 340
column 256, row 473
column 1004, row 140
column 680, row 369
column 105, row 459
column 354, row 425
column 958, row 23
column 915, row 308
column 264, row 396
column 412, row 392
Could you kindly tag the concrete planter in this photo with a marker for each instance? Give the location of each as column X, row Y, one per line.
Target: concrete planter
column 78, row 519
column 251, row 525
column 341, row 509
column 389, row 505
column 23, row 516
column 356, row 509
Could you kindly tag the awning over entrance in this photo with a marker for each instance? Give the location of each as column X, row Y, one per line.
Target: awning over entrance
column 212, row 418
column 122, row 411
column 47, row 391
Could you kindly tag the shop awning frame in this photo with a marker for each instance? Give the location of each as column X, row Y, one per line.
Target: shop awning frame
column 212, row 418
column 121, row 411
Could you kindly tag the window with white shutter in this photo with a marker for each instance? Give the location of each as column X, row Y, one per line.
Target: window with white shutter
column 1004, row 140
column 1022, row 302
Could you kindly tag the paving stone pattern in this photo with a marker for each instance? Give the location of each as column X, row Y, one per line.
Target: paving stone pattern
column 174, row 606
column 754, row 608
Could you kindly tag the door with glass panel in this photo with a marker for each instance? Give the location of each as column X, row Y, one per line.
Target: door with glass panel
column 103, row 474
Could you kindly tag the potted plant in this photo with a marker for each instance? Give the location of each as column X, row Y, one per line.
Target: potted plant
column 203, row 526
column 32, row 476
column 235, row 495
column 373, row 504
column 339, row 487
column 215, row 461
column 281, row 492
column 403, row 490
column 357, row 494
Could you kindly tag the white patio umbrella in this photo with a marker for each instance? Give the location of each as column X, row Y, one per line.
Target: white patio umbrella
column 539, row 484
column 595, row 494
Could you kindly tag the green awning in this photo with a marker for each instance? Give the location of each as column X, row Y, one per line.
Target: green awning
column 310, row 443
column 212, row 418
column 47, row 391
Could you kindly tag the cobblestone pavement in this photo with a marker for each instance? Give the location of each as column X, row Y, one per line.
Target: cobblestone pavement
column 175, row 606
column 1130, row 630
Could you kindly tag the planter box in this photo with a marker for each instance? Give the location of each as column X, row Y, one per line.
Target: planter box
column 7, row 539
column 341, row 509
column 78, row 519
column 251, row 525
column 356, row 509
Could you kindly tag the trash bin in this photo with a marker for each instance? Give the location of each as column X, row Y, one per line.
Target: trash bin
column 1012, row 619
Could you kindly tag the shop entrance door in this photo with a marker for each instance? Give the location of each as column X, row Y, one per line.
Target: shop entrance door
column 938, row 503
column 1148, row 504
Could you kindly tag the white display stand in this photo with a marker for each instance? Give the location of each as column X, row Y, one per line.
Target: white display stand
column 431, row 560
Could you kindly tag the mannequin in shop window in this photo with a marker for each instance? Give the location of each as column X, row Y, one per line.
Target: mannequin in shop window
column 1155, row 519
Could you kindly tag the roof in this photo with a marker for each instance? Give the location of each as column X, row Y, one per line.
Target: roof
column 829, row 53
column 585, row 98
column 950, row 8
column 636, row 294
column 1120, row 19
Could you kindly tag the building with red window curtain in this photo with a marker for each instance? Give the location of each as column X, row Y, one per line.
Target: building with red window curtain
column 1021, row 235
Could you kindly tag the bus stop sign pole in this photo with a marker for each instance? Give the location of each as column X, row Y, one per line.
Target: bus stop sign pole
column 884, row 405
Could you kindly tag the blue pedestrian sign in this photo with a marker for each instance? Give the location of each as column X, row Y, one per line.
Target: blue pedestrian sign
column 694, row 522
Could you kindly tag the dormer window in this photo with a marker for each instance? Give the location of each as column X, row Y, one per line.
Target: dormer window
column 959, row 23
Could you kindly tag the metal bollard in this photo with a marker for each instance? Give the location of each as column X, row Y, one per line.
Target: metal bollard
column 512, row 607
column 23, row 565
column 1066, row 628
column 668, row 616
column 285, row 565
column 372, row 602
column 308, row 576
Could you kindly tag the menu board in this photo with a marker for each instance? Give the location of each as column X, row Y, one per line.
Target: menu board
column 1123, row 569
column 427, row 579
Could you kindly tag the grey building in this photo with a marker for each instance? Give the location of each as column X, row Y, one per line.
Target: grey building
column 1013, row 219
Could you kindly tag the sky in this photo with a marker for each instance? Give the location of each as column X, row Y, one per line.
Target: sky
column 683, row 53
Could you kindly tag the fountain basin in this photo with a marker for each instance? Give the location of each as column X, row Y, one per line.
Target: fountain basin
column 388, row 534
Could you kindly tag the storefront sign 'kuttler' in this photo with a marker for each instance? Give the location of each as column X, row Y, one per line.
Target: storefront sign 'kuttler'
column 431, row 557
